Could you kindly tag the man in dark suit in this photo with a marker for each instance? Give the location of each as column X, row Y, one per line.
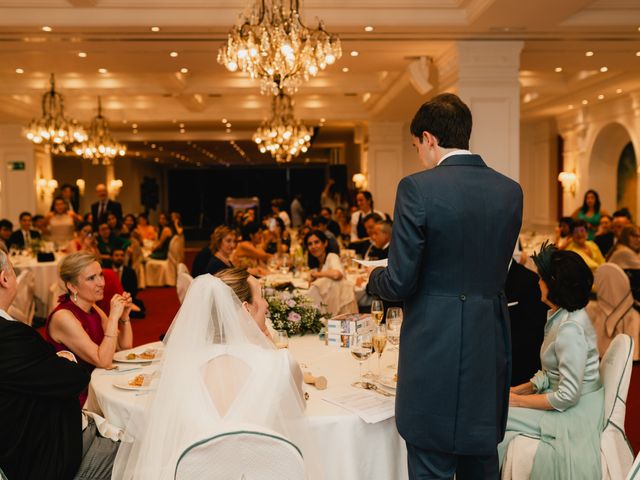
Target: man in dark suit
column 455, row 227
column 527, row 317
column 103, row 206
column 24, row 236
column 380, row 241
column 128, row 279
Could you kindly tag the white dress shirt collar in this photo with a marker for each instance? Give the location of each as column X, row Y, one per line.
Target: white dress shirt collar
column 455, row 152
column 4, row 314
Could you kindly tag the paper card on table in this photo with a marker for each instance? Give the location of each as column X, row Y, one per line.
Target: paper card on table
column 373, row 263
column 369, row 406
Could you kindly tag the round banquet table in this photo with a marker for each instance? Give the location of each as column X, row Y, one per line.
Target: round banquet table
column 350, row 448
column 45, row 273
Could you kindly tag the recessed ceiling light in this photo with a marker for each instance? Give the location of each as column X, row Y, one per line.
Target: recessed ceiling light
column 604, row 69
column 355, row 53
column 184, row 70
column 558, row 69
column 124, row 121
column 19, row 70
column 638, row 53
column 619, row 90
column 47, row 28
column 368, row 28
column 155, row 29
column 588, row 53
column 134, row 125
column 224, row 120
column 228, row 130
column 585, row 102
column 82, row 54
column 345, row 69
column 570, row 107
column 173, row 54
column 182, row 130
column 600, row 97
column 228, row 125
column 322, row 120
column 102, row 70
column 181, row 125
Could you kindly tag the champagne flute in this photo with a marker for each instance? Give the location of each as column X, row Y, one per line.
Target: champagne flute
column 377, row 310
column 394, row 325
column 379, row 342
column 281, row 339
column 361, row 349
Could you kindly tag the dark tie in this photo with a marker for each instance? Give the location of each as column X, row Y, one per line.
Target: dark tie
column 101, row 209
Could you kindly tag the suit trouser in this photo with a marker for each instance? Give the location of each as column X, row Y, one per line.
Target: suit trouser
column 432, row 465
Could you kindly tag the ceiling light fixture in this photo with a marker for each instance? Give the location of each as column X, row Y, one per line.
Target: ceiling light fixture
column 638, row 53
column 619, row 91
column 102, row 70
column 100, row 147
column 604, row 69
column 47, row 28
column 184, row 70
column 585, row 102
column 155, row 29
column 272, row 44
column 19, row 71
column 282, row 135
column 368, row 28
column 224, row 120
column 354, row 53
column 588, row 53
column 228, row 125
column 558, row 69
column 345, row 69
column 55, row 131
column 173, row 54
column 600, row 97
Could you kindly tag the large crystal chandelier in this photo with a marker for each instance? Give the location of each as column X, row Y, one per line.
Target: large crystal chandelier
column 53, row 130
column 100, row 146
column 282, row 135
column 271, row 43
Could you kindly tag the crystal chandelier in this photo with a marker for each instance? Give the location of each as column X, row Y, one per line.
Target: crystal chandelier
column 53, row 130
column 282, row 135
column 100, row 146
column 271, row 43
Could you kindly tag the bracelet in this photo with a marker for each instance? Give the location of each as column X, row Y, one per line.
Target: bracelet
column 124, row 321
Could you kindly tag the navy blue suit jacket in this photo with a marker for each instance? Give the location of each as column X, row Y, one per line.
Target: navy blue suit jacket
column 455, row 227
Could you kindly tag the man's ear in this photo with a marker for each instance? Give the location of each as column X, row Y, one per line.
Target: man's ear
column 3, row 278
column 430, row 139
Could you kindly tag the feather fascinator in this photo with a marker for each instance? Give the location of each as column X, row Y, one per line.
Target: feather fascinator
column 542, row 259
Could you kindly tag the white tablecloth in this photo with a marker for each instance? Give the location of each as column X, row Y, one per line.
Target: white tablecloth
column 45, row 273
column 351, row 449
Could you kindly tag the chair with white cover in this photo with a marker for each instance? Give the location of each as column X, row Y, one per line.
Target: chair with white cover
column 2, row 475
column 163, row 272
column 55, row 290
column 23, row 307
column 242, row 452
column 182, row 268
column 137, row 263
column 183, row 282
column 634, row 473
column 616, row 453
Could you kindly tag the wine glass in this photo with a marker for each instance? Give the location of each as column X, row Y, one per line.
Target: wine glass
column 379, row 342
column 394, row 325
column 361, row 349
column 284, row 264
column 281, row 339
column 377, row 310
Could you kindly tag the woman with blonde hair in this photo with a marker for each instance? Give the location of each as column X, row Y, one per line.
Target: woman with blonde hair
column 223, row 244
column 78, row 325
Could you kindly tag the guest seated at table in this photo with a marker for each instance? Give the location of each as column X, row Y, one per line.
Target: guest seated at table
column 332, row 225
column 217, row 362
column 625, row 252
column 328, row 276
column 6, row 228
column 129, row 226
column 563, row 233
column 604, row 236
column 114, row 225
column 250, row 252
column 44, row 433
column 76, row 324
column 359, row 235
column 39, row 223
column 22, row 238
column 88, row 217
column 107, row 243
column 342, row 219
column 223, row 243
column 318, row 222
column 160, row 249
column 129, row 281
column 563, row 403
column 621, row 219
column 277, row 210
column 83, row 238
column 146, row 231
column 176, row 221
column 380, row 238
column 588, row 250
column 276, row 236
column 59, row 223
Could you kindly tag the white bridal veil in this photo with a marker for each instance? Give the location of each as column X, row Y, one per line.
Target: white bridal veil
column 217, row 369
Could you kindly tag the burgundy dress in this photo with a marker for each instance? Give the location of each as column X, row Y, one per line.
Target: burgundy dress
column 91, row 323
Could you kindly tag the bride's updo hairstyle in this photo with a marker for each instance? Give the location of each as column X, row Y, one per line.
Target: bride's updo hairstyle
column 237, row 279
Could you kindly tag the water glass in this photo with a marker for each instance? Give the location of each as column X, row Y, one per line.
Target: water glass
column 361, row 348
column 281, row 339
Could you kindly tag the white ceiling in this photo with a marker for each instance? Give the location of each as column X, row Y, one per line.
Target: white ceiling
column 143, row 84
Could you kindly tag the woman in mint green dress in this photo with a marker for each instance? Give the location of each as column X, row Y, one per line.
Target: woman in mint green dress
column 591, row 212
column 562, row 405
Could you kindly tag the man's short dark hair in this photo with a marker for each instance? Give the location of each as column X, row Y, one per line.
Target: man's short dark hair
column 623, row 212
column 327, row 209
column 447, row 118
column 4, row 223
column 318, row 220
column 25, row 214
column 372, row 216
column 577, row 224
column 35, row 218
column 117, row 249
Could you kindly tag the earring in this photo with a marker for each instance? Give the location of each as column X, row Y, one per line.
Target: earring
column 75, row 296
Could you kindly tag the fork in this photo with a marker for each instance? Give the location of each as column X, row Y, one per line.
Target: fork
column 372, row 386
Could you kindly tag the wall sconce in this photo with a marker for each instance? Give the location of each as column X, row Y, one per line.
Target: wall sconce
column 80, row 183
column 569, row 181
column 114, row 187
column 360, row 181
column 46, row 187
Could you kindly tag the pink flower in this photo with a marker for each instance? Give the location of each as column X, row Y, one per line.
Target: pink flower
column 294, row 317
column 291, row 303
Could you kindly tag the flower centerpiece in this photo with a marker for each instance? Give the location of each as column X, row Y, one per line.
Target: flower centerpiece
column 294, row 312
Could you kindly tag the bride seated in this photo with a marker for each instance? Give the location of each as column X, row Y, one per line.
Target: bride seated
column 217, row 362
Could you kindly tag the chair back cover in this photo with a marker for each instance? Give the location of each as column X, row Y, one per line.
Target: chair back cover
column 615, row 374
column 183, row 282
column 182, row 268
column 634, row 473
column 23, row 306
column 242, row 452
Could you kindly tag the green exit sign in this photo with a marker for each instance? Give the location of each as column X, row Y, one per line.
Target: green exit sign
column 14, row 166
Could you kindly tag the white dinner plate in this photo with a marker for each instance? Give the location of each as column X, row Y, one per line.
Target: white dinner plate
column 122, row 356
column 124, row 384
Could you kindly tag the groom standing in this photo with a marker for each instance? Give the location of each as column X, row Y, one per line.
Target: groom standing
column 455, row 227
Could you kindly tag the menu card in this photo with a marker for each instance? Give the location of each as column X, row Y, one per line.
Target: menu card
column 368, row 405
